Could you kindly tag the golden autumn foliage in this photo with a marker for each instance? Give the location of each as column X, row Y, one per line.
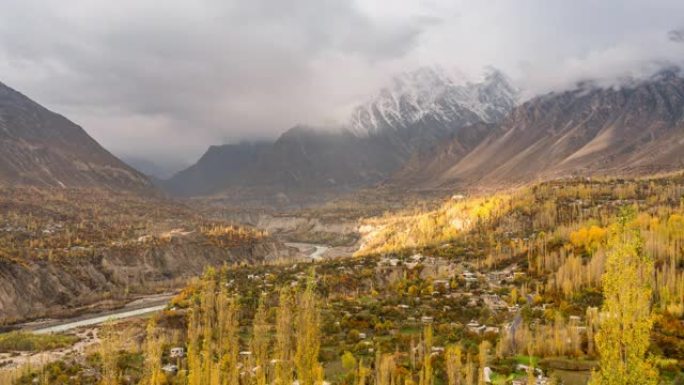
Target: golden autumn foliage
column 284, row 345
column 153, row 352
column 55, row 224
column 426, row 375
column 260, row 343
column 214, row 339
column 531, row 267
column 109, row 348
column 589, row 238
column 398, row 232
column 309, row 370
column 453, row 364
column 626, row 320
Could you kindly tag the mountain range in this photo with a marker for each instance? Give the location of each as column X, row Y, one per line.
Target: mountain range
column 426, row 130
column 429, row 96
column 41, row 148
column 636, row 128
column 418, row 110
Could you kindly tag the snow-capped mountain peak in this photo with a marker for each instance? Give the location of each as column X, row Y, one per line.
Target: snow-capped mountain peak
column 432, row 94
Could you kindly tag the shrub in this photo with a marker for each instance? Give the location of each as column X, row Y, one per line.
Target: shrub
column 29, row 342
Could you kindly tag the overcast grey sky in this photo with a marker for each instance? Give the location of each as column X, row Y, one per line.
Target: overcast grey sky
column 162, row 80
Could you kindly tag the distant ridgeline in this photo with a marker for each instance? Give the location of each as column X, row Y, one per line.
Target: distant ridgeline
column 416, row 112
column 427, row 131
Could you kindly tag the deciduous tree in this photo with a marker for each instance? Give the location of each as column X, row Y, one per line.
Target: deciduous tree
column 626, row 320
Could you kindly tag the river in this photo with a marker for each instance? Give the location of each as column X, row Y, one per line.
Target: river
column 315, row 251
column 143, row 306
column 69, row 325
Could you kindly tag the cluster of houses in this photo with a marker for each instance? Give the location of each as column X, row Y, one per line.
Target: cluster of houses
column 175, row 353
column 477, row 289
column 475, row 327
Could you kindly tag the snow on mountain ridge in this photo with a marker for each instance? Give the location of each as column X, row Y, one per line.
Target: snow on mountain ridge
column 431, row 93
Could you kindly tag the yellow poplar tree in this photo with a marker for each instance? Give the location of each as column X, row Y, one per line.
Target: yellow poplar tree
column 213, row 339
column 153, row 353
column 260, row 342
column 362, row 374
column 452, row 357
column 592, row 318
column 308, row 336
column 469, row 370
column 385, row 370
column 284, row 335
column 426, row 370
column 484, row 351
column 194, row 360
column 350, row 365
column 208, row 305
column 626, row 320
column 228, row 339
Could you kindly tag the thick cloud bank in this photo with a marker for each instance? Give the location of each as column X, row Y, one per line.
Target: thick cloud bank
column 162, row 80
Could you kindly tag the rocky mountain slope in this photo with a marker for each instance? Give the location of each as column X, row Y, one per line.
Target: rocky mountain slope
column 420, row 170
column 634, row 129
column 39, row 147
column 417, row 111
column 218, row 168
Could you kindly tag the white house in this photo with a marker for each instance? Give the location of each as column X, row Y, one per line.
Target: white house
column 177, row 352
column 170, row 368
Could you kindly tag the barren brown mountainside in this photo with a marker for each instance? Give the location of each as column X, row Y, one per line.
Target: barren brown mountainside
column 422, row 167
column 39, row 147
column 633, row 129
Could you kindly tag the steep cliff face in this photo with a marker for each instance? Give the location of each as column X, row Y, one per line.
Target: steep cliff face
column 34, row 289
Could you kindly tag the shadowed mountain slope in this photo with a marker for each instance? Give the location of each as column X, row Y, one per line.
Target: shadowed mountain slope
column 39, row 147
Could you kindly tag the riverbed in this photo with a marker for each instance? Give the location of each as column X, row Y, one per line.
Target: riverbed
column 144, row 305
column 141, row 306
column 315, row 252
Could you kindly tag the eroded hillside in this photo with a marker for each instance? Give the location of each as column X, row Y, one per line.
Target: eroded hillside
column 62, row 250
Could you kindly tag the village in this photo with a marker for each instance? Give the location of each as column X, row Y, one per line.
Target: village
column 375, row 305
column 372, row 305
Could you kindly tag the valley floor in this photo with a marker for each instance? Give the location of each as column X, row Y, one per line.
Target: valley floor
column 512, row 282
